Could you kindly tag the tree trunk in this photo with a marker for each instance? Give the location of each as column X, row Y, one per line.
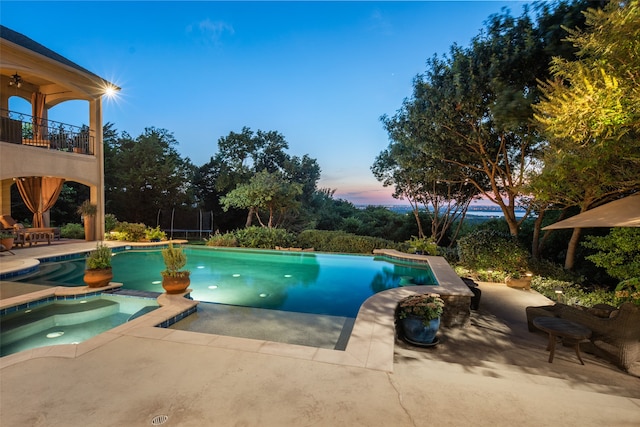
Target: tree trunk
column 535, row 246
column 416, row 214
column 249, row 218
column 570, row 259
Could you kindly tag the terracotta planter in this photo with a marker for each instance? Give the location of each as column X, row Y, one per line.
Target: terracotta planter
column 521, row 283
column 98, row 278
column 7, row 243
column 89, row 222
column 176, row 284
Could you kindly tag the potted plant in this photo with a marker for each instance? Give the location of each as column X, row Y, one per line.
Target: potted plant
column 519, row 279
column 98, row 272
column 6, row 239
column 175, row 280
column 419, row 318
column 88, row 212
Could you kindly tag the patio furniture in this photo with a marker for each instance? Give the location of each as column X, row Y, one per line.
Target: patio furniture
column 7, row 222
column 33, row 236
column 570, row 332
column 615, row 337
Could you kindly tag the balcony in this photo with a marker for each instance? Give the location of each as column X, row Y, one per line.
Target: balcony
column 19, row 128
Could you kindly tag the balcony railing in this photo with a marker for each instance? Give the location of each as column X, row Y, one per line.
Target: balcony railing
column 19, row 128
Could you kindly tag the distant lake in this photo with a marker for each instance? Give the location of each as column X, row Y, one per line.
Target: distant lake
column 478, row 211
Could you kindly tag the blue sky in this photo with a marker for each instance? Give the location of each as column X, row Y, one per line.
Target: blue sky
column 320, row 73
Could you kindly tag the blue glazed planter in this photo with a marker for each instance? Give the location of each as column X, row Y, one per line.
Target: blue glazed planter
column 416, row 332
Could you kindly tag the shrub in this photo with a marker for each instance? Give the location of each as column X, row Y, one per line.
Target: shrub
column 492, row 250
column 339, row 241
column 572, row 293
column 550, row 270
column 426, row 246
column 264, row 237
column 155, row 234
column 72, row 231
column 110, row 222
column 629, row 290
column 223, row 240
column 618, row 252
column 130, row 232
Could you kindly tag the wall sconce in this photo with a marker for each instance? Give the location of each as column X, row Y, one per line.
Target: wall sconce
column 16, row 80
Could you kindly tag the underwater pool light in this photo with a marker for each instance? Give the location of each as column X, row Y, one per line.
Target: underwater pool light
column 236, row 275
column 213, row 287
column 156, row 282
column 263, row 295
column 200, row 266
column 55, row 334
column 287, row 275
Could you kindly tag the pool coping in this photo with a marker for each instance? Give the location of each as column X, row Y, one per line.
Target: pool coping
column 371, row 344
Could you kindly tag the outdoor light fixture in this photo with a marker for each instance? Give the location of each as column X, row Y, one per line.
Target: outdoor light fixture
column 16, row 80
column 558, row 291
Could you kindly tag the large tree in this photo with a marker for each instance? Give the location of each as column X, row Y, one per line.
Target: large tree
column 144, row 175
column 265, row 191
column 420, row 180
column 590, row 114
column 472, row 110
column 242, row 155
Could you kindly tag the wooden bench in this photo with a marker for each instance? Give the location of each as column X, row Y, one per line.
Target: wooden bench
column 34, row 235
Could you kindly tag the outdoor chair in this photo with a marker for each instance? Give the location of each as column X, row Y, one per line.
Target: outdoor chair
column 615, row 332
column 7, row 222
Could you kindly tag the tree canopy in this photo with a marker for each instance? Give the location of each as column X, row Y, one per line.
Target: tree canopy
column 590, row 115
column 469, row 119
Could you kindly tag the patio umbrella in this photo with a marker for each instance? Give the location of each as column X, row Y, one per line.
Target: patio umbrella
column 623, row 212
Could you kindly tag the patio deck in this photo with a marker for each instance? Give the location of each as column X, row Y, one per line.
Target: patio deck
column 492, row 373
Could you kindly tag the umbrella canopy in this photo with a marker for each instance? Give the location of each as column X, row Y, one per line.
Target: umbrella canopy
column 619, row 213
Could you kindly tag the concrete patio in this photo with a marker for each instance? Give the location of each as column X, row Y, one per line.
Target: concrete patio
column 492, row 373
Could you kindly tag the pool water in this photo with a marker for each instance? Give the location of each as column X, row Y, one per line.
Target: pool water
column 67, row 321
column 306, row 282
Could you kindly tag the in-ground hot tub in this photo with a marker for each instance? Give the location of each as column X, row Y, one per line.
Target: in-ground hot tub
column 66, row 320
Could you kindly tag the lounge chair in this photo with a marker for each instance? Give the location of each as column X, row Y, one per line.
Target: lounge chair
column 7, row 223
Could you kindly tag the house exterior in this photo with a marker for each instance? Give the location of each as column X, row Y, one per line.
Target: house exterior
column 35, row 148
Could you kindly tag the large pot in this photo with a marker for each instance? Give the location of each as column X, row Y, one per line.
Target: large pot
column 7, row 242
column 89, row 228
column 176, row 284
column 98, row 278
column 416, row 332
column 521, row 283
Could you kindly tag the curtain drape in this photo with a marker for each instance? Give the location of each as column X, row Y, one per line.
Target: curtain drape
column 51, row 188
column 30, row 189
column 38, row 101
column 39, row 195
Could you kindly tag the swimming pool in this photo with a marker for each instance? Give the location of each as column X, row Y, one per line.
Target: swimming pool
column 306, row 282
column 59, row 320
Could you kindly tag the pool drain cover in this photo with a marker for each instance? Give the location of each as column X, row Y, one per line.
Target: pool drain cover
column 160, row 419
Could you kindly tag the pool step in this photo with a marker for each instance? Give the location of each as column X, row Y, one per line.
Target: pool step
column 134, row 293
column 54, row 274
column 142, row 312
column 16, row 326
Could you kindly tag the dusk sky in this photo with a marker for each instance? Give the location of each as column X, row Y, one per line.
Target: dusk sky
column 320, row 73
